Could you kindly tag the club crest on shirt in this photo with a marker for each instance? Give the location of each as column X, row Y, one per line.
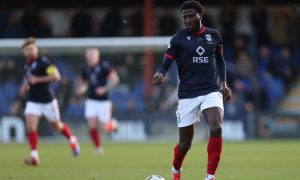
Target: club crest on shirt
column 208, row 38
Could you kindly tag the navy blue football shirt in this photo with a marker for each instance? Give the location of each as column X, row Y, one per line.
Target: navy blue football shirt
column 195, row 54
column 96, row 77
column 40, row 92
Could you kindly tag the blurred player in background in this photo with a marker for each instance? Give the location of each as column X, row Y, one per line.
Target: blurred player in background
column 39, row 73
column 198, row 53
column 100, row 78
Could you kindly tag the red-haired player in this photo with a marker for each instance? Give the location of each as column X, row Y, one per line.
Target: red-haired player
column 39, row 74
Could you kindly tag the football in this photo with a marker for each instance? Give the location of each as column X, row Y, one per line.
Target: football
column 155, row 177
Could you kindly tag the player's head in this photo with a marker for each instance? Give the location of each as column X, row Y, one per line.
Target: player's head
column 30, row 49
column 92, row 56
column 192, row 12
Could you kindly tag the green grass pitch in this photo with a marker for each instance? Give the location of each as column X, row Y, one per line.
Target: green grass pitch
column 252, row 160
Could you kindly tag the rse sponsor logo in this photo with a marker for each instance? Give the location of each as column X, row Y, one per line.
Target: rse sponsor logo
column 197, row 60
column 200, row 50
column 200, row 60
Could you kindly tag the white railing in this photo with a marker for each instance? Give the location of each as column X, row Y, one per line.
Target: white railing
column 77, row 45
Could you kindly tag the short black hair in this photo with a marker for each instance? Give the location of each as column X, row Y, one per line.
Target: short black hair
column 191, row 4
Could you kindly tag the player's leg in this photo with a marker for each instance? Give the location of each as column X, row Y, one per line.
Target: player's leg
column 104, row 117
column 214, row 117
column 186, row 135
column 61, row 127
column 64, row 129
column 32, row 115
column 111, row 126
column 214, row 114
column 186, row 117
column 91, row 115
column 95, row 134
column 51, row 112
column 107, row 123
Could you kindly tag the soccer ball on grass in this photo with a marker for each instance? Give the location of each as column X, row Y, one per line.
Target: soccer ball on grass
column 155, row 177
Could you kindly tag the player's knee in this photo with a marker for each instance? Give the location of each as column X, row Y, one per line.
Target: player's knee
column 216, row 130
column 30, row 128
column 92, row 123
column 56, row 125
column 215, row 124
column 185, row 146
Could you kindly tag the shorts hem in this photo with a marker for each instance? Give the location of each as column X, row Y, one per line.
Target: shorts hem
column 185, row 125
column 207, row 107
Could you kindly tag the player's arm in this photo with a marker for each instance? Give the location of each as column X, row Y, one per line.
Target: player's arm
column 113, row 80
column 169, row 57
column 162, row 70
column 52, row 74
column 24, row 87
column 81, row 87
column 221, row 67
column 82, row 83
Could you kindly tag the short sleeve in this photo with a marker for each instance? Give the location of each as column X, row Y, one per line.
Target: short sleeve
column 47, row 66
column 106, row 67
column 46, row 63
column 172, row 50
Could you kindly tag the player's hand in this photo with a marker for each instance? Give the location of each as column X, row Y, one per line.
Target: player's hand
column 101, row 90
column 225, row 91
column 24, row 89
column 33, row 79
column 78, row 93
column 158, row 79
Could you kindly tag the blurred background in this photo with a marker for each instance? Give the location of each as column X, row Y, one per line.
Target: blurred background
column 261, row 48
